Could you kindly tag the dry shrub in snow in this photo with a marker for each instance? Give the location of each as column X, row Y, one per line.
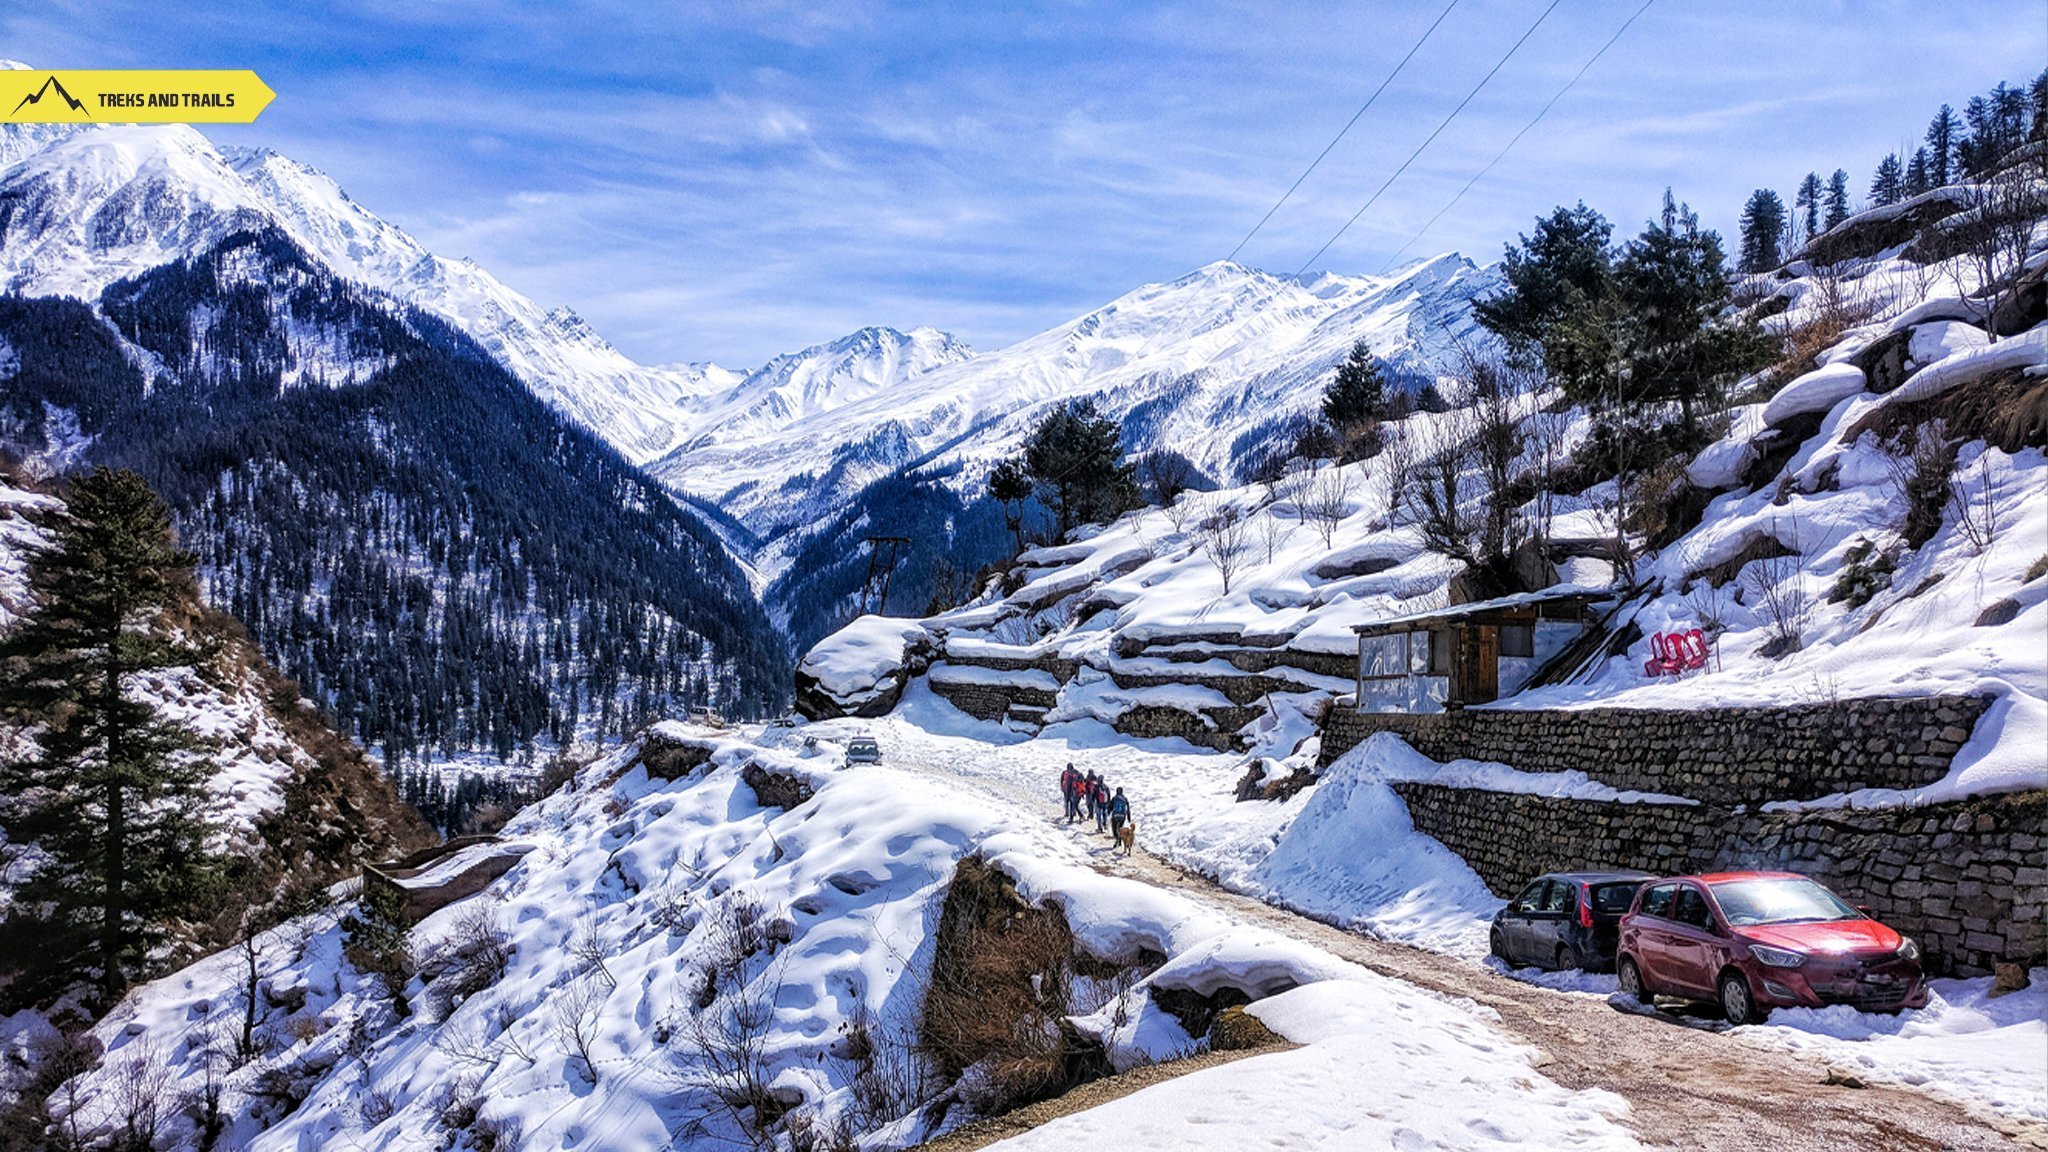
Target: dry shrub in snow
column 996, row 998
column 1973, row 500
column 887, row 1078
column 736, row 933
column 1921, row 459
column 460, row 1114
column 1836, row 300
column 725, row 1062
column 473, row 957
column 588, row 947
column 1775, row 585
column 573, row 1019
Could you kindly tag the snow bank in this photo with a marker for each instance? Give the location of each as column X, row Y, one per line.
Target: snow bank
column 1378, row 1069
column 1966, row 1044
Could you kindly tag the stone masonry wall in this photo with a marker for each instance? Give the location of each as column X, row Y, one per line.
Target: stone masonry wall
column 991, row 701
column 1729, row 756
column 1966, row 879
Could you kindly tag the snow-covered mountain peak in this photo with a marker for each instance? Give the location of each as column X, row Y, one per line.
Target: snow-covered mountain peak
column 85, row 207
column 822, row 378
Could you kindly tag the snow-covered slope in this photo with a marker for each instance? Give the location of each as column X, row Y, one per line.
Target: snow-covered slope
column 80, row 209
column 673, row 963
column 1203, row 364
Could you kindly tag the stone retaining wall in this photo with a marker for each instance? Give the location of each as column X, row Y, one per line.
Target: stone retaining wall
column 1245, row 691
column 991, row 701
column 1153, row 721
column 1725, row 756
column 1966, row 879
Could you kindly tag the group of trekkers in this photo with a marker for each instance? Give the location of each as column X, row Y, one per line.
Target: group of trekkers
column 1088, row 797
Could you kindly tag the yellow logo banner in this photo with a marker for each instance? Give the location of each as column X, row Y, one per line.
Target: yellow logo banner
column 132, row 97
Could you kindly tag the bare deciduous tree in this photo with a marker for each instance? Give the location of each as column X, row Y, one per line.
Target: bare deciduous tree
column 1271, row 530
column 1327, row 501
column 1226, row 541
column 1993, row 233
column 1396, row 465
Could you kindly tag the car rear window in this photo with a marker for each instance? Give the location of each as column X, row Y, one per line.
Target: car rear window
column 1657, row 901
column 1613, row 899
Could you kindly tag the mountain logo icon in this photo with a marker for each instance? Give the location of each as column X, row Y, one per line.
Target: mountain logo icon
column 36, row 97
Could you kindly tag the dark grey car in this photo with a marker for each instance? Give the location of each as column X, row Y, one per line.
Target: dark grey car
column 1565, row 920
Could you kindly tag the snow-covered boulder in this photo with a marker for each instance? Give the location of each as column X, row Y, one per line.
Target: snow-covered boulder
column 861, row 669
column 1721, row 464
column 2027, row 350
column 1942, row 339
column 1816, row 391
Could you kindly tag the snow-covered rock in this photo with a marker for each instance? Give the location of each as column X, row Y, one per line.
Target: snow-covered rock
column 1816, row 391
column 861, row 669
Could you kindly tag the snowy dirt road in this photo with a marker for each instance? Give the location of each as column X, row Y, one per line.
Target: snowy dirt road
column 1688, row 1086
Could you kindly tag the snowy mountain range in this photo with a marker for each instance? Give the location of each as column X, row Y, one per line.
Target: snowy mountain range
column 1207, row 360
column 1213, row 364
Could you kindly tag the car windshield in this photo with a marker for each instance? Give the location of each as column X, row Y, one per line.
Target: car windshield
column 1747, row 902
column 1613, row 899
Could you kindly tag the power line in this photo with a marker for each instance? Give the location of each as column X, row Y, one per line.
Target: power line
column 1569, row 84
column 1340, row 132
column 1432, row 136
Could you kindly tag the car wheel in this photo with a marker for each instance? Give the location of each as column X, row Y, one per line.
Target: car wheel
column 1736, row 1001
column 1498, row 945
column 1631, row 979
column 1566, row 958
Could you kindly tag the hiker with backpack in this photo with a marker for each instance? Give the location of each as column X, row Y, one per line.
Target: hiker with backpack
column 1070, row 793
column 1120, row 815
column 1101, row 804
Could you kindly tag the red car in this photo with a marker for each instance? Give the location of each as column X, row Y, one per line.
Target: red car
column 1754, row 941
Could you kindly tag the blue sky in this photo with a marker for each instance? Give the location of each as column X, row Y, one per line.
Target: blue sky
column 727, row 180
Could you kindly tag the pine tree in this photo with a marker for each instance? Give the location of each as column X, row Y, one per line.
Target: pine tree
column 1807, row 203
column 1888, row 186
column 1763, row 222
column 1837, row 199
column 1075, row 457
column 1356, row 396
column 113, row 795
column 1944, row 132
column 1917, row 180
column 1552, row 276
column 1672, row 285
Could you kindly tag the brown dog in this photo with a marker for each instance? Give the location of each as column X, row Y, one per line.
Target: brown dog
column 1127, row 837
